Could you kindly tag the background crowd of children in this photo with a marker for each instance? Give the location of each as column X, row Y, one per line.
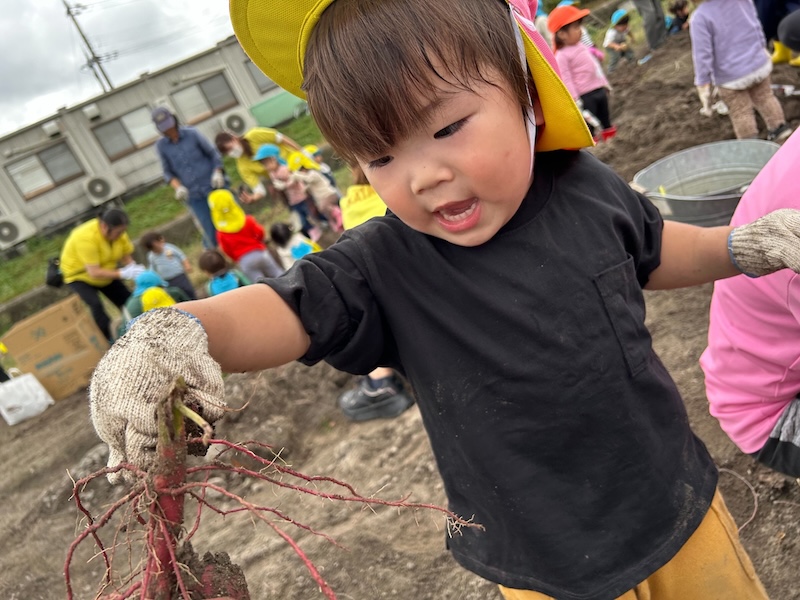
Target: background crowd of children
column 729, row 50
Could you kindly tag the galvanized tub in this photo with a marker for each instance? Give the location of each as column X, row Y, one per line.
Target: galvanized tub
column 702, row 185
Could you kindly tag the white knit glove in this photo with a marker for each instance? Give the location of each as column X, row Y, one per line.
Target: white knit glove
column 131, row 271
column 704, row 93
column 217, row 179
column 181, row 193
column 768, row 244
column 140, row 370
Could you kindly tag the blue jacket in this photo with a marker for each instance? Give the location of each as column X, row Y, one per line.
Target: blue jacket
column 192, row 160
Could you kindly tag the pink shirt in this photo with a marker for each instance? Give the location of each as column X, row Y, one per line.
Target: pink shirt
column 752, row 363
column 580, row 71
column 283, row 179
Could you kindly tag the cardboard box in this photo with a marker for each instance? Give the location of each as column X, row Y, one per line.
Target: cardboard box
column 60, row 345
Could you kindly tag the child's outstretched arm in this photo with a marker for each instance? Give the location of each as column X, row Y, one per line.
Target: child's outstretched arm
column 247, row 329
column 693, row 255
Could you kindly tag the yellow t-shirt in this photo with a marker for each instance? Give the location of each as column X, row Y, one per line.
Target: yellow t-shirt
column 251, row 171
column 86, row 245
column 359, row 205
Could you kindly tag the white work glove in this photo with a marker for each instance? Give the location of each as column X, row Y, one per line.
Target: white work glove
column 704, row 92
column 181, row 193
column 217, row 179
column 131, row 271
column 768, row 244
column 139, row 370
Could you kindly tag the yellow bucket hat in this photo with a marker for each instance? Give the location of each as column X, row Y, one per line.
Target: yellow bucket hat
column 226, row 214
column 274, row 34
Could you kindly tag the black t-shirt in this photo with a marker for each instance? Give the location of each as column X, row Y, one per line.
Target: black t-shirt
column 553, row 423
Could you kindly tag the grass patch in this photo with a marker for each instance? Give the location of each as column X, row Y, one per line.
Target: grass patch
column 303, row 130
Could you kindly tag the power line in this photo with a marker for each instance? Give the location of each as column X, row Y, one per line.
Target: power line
column 93, row 60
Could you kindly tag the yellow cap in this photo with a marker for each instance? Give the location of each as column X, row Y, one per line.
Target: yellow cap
column 226, row 215
column 298, row 159
column 275, row 33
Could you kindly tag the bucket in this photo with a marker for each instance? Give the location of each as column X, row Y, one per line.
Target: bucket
column 702, row 185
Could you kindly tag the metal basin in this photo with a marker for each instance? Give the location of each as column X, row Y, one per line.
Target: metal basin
column 702, row 185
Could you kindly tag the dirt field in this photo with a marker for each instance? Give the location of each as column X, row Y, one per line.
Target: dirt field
column 388, row 553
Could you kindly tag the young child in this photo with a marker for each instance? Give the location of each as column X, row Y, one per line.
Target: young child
column 324, row 195
column 586, row 39
column 241, row 237
column 617, row 40
column 150, row 292
column 679, row 9
column 729, row 51
column 289, row 183
column 222, row 278
column 750, row 365
column 324, row 167
column 291, row 246
column 505, row 284
column 168, row 261
column 581, row 73
column 381, row 394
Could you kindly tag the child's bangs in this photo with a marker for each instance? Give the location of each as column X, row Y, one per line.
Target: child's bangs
column 371, row 68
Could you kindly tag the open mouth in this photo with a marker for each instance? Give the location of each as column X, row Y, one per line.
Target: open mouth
column 458, row 216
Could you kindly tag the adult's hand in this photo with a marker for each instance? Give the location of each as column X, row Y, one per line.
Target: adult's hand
column 181, row 193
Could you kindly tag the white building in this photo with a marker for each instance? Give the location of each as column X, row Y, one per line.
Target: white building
column 54, row 171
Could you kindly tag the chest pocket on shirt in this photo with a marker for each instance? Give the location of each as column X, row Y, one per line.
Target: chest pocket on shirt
column 624, row 304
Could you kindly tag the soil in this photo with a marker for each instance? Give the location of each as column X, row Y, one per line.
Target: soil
column 385, row 552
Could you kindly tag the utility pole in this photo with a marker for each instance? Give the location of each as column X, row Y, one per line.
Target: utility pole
column 93, row 61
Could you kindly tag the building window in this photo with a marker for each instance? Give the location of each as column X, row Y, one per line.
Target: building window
column 127, row 133
column 263, row 83
column 202, row 100
column 45, row 170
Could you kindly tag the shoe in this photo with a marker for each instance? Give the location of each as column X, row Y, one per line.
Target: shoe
column 795, row 62
column 780, row 133
column 609, row 133
column 780, row 53
column 375, row 399
column 644, row 59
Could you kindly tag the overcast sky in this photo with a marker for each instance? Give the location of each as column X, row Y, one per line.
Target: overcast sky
column 41, row 51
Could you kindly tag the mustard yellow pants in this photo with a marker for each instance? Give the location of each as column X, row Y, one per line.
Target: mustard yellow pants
column 711, row 565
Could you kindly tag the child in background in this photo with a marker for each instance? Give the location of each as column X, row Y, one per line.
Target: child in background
column 729, row 51
column 617, row 40
column 222, row 278
column 289, row 183
column 324, row 195
column 381, row 393
column 150, row 292
column 505, row 283
column 581, row 73
column 586, row 39
column 241, row 237
column 168, row 261
column 291, row 246
column 324, row 167
column 679, row 10
column 750, row 365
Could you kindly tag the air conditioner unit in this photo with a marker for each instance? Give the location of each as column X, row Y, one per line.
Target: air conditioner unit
column 102, row 188
column 235, row 122
column 15, row 228
column 91, row 111
column 51, row 128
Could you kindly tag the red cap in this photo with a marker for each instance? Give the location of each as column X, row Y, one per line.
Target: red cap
column 561, row 16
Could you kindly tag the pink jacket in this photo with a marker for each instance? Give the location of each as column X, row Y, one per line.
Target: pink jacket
column 283, row 179
column 752, row 363
column 580, row 71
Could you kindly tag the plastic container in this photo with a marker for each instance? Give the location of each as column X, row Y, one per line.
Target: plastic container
column 702, row 185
